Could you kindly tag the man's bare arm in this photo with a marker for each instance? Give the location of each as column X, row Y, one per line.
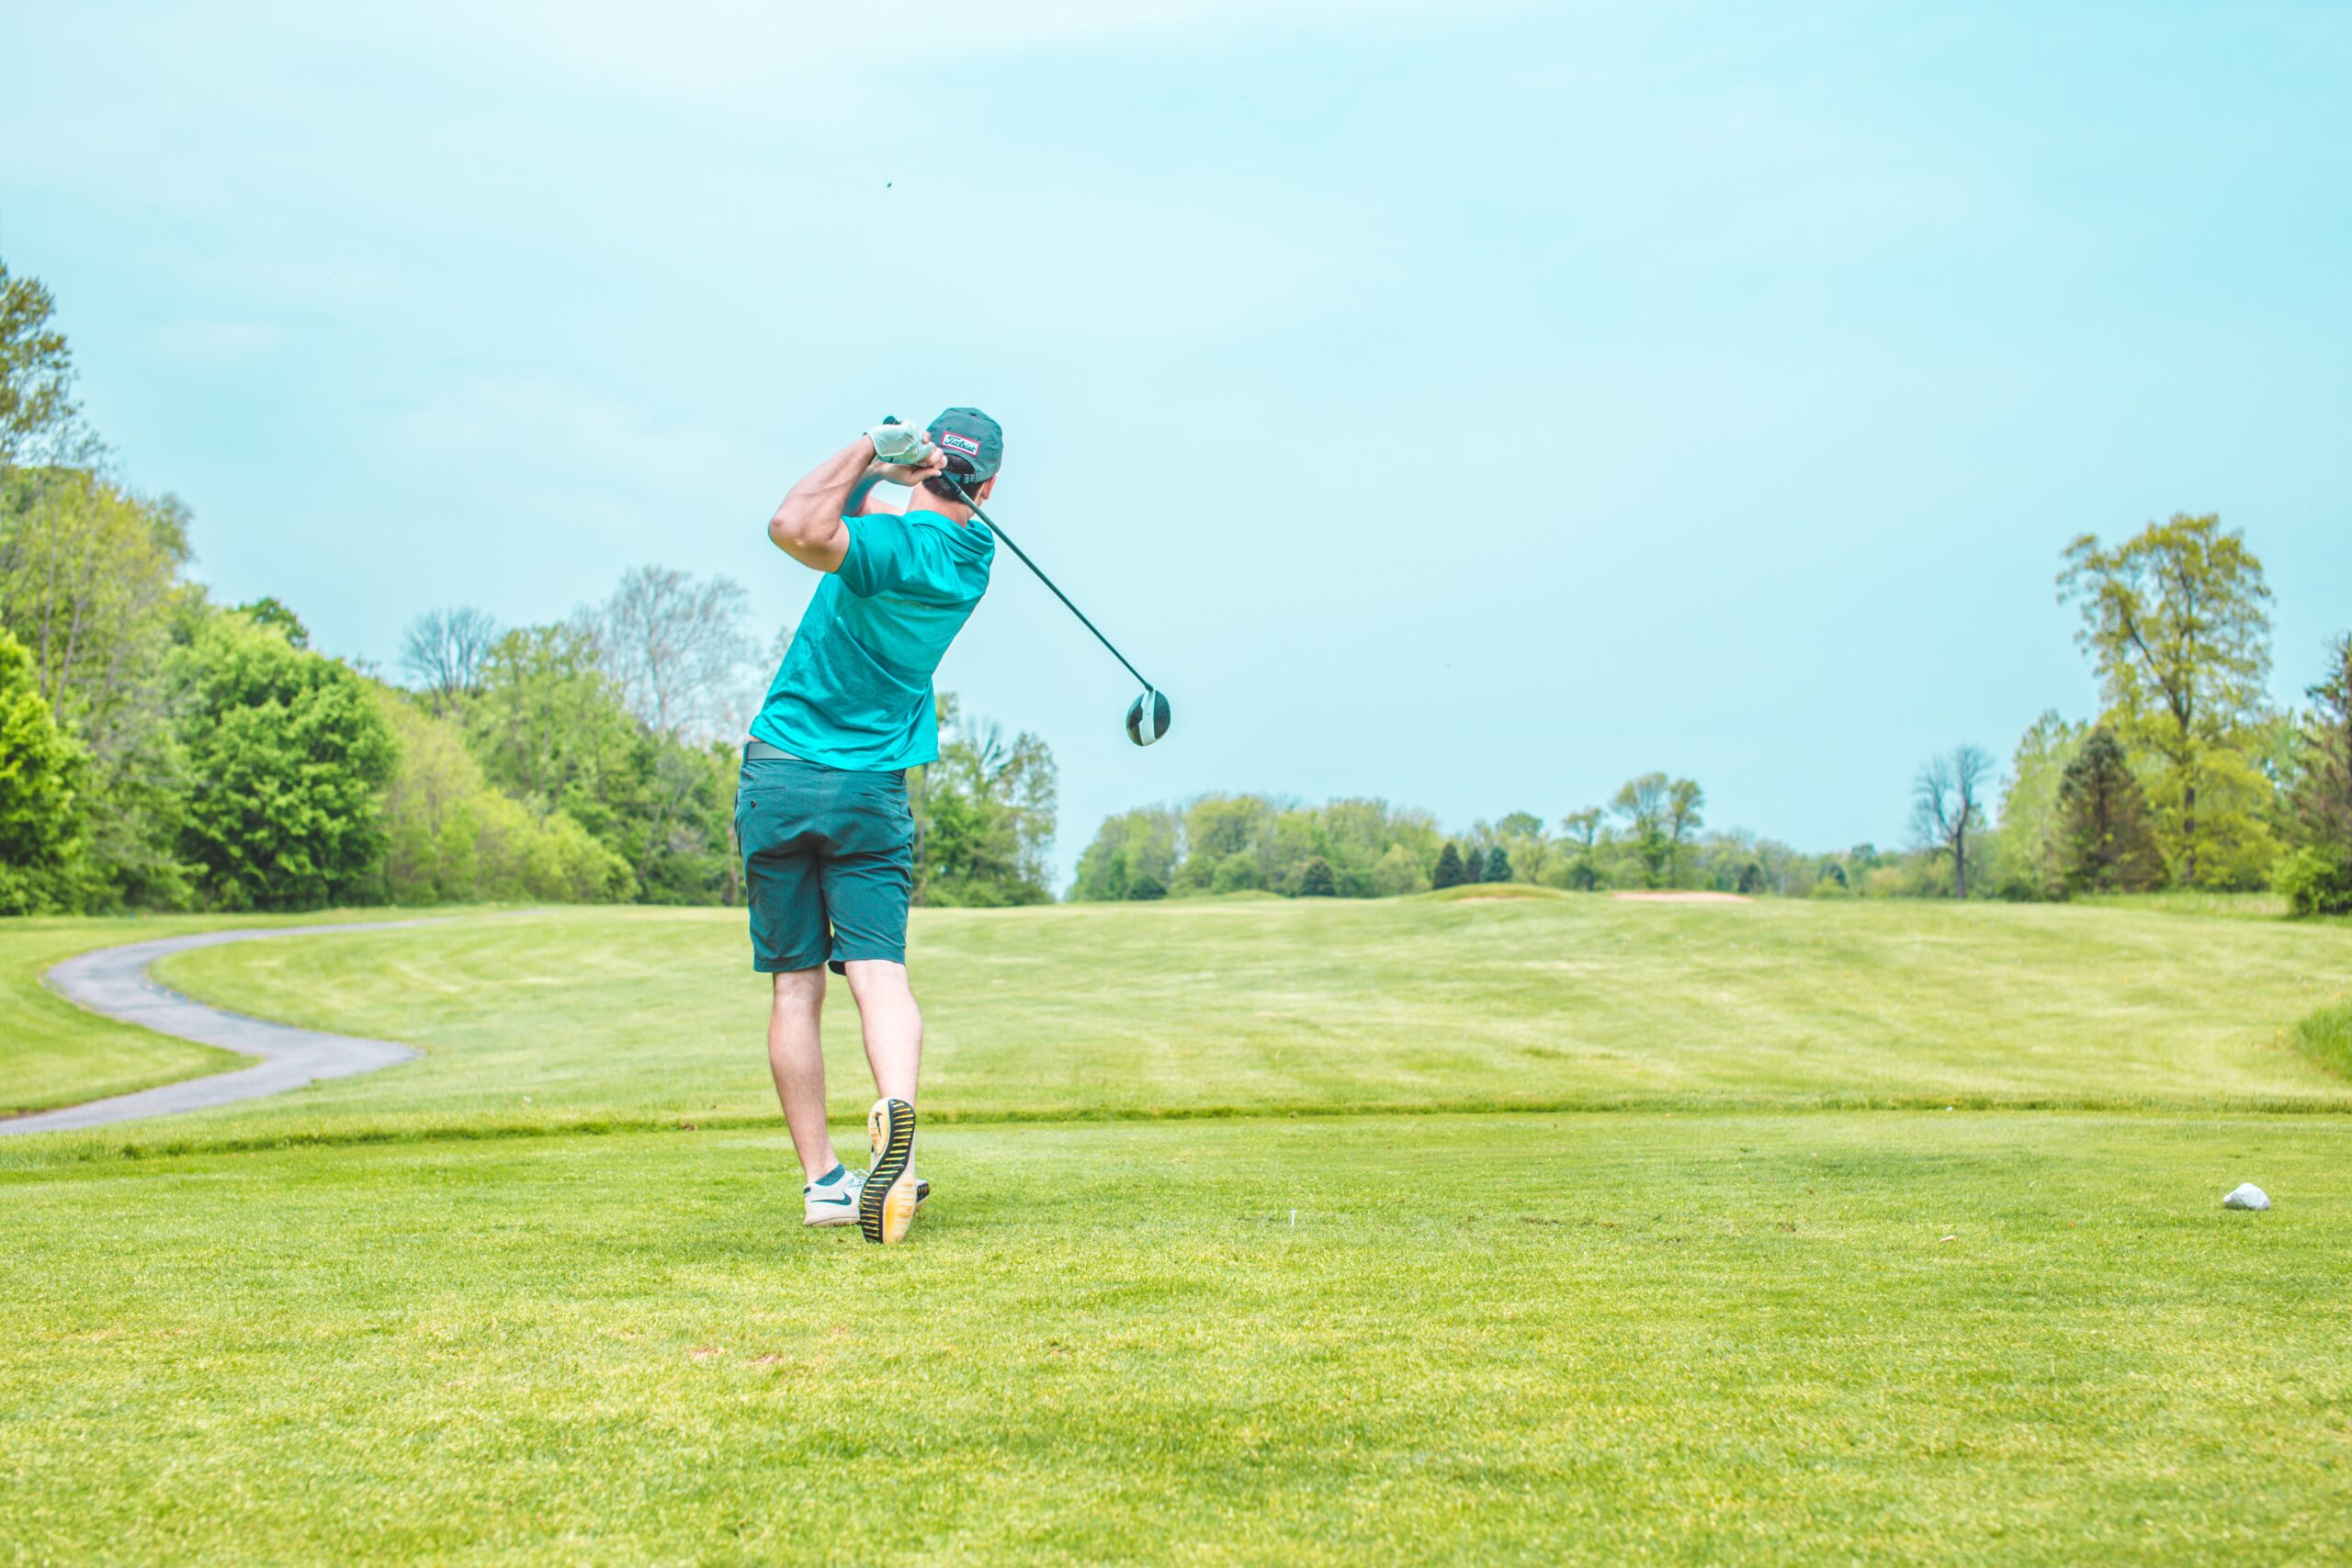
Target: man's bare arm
column 807, row 526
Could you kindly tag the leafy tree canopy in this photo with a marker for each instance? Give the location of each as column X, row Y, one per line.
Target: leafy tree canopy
column 2176, row 619
column 2107, row 843
column 40, row 806
column 287, row 753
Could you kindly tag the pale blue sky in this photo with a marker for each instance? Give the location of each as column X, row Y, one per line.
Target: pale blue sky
column 1471, row 404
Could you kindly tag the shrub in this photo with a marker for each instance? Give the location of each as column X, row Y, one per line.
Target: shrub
column 2314, row 882
column 1316, row 881
column 1237, row 873
column 1398, row 871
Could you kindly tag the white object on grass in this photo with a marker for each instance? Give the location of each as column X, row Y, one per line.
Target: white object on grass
column 2246, row 1195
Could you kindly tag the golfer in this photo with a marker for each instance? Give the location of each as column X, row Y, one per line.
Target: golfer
column 821, row 812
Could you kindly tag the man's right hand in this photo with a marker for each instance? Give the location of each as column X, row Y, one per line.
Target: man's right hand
column 911, row 474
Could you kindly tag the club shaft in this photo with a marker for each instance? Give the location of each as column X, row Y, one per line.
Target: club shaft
column 1049, row 581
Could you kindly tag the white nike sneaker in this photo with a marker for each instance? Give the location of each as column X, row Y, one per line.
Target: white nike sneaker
column 832, row 1202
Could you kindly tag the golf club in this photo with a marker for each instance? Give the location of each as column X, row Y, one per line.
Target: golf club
column 1149, row 714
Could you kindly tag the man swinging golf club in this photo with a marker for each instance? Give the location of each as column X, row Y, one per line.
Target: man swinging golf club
column 821, row 813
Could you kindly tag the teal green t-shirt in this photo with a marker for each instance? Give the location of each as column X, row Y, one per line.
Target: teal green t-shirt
column 855, row 688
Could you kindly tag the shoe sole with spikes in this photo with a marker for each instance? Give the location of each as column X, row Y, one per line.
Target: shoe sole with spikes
column 886, row 1207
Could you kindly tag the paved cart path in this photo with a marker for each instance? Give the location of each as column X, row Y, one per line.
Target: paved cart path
column 114, row 981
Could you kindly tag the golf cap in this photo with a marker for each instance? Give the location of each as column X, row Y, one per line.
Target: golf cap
column 974, row 443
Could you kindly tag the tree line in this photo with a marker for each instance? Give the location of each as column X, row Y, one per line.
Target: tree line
column 160, row 750
column 2186, row 778
column 1648, row 835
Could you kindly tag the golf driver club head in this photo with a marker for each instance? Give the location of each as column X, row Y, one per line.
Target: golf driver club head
column 1147, row 717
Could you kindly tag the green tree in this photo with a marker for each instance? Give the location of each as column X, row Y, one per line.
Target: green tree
column 286, row 754
column 1497, row 865
column 1218, row 828
column 548, row 728
column 1683, row 801
column 271, row 612
column 1398, row 871
column 450, row 837
column 2107, row 843
column 1529, row 844
column 90, row 583
column 1146, row 887
column 1584, row 830
column 1235, row 873
column 1351, row 834
column 1449, row 873
column 41, row 825
column 36, row 370
column 985, row 816
column 1316, row 880
column 2320, row 882
column 1126, row 849
column 2029, row 864
column 2175, row 618
column 1645, row 803
column 2323, row 787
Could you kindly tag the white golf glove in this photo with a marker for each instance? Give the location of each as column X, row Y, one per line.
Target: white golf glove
column 901, row 443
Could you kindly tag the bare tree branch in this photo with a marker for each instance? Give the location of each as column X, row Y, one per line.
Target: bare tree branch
column 1947, row 807
column 678, row 648
column 445, row 649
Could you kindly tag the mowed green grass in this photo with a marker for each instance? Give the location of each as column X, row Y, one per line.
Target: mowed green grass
column 653, row 1016
column 1884, row 1337
column 52, row 1052
column 1723, row 1306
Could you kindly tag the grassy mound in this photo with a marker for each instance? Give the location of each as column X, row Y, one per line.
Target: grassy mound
column 1495, row 892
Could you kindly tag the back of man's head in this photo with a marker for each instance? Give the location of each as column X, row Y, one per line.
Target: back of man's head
column 975, row 447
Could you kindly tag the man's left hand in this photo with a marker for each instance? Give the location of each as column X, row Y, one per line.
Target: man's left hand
column 911, row 473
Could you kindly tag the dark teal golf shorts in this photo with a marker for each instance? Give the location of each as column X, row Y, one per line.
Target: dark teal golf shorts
column 829, row 856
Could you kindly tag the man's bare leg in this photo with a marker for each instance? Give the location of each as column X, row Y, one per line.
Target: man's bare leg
column 892, row 1025
column 796, row 1057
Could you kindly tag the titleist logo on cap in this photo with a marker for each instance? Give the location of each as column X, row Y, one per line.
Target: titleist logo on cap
column 964, row 444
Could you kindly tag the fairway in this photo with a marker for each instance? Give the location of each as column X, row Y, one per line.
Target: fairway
column 1196, row 1286
column 1258, row 1006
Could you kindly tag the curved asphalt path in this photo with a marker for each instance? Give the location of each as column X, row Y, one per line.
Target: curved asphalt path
column 114, row 981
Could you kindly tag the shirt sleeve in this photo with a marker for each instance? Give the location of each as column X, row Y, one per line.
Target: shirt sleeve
column 889, row 555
